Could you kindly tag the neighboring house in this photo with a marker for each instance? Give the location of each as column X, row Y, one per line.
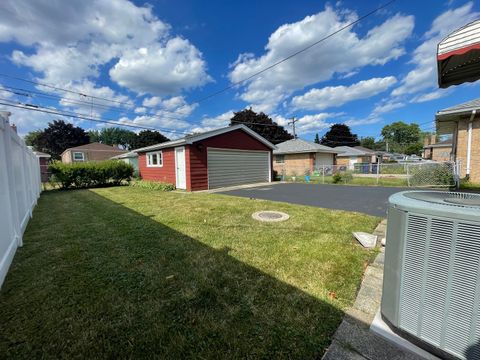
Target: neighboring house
column 90, row 152
column 463, row 122
column 297, row 156
column 349, row 156
column 129, row 158
column 437, row 151
column 372, row 153
column 43, row 160
column 228, row 156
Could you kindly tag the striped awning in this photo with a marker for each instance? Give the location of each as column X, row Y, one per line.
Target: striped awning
column 458, row 56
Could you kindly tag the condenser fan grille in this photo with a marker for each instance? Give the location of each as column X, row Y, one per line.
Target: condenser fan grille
column 447, row 198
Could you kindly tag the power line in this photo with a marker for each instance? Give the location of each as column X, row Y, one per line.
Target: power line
column 295, row 53
column 31, row 107
column 27, row 93
column 232, row 85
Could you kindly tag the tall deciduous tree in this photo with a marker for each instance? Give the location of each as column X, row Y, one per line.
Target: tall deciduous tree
column 114, row 136
column 58, row 136
column 340, row 135
column 262, row 124
column 32, row 138
column 368, row 142
column 402, row 137
column 147, row 138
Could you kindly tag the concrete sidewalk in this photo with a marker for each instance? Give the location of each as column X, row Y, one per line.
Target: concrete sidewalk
column 353, row 340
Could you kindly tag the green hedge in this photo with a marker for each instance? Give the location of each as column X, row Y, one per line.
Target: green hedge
column 153, row 185
column 91, row 174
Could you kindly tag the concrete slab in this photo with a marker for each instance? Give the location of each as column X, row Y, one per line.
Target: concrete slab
column 380, row 328
column 367, row 240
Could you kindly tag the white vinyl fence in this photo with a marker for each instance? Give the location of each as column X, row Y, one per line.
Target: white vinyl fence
column 20, row 188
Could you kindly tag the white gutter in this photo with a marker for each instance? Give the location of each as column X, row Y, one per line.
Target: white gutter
column 469, row 141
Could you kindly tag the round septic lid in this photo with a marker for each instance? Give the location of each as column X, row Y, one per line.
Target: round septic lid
column 270, row 216
column 446, row 198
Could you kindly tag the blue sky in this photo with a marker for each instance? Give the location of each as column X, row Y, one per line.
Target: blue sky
column 158, row 58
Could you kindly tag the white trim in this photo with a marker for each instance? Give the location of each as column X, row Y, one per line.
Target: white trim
column 469, row 141
column 78, row 152
column 192, row 139
column 270, row 175
column 184, row 167
column 148, row 160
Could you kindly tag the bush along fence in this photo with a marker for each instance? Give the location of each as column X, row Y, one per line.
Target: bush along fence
column 90, row 174
column 418, row 174
column 153, row 185
column 20, row 188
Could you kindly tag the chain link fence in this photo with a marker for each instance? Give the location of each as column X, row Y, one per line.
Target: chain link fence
column 418, row 174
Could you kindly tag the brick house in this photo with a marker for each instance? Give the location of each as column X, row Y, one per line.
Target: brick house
column 90, row 152
column 349, row 156
column 463, row 123
column 437, row 151
column 297, row 156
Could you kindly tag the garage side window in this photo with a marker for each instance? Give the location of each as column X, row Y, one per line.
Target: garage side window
column 78, row 156
column 279, row 159
column 154, row 159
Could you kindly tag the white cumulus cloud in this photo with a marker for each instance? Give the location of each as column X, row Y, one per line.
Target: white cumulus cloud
column 424, row 74
column 335, row 96
column 344, row 53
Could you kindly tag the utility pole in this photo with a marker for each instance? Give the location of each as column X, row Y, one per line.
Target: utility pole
column 293, row 126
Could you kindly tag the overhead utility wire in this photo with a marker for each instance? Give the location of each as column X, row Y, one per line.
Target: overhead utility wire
column 32, row 107
column 202, row 99
column 27, row 93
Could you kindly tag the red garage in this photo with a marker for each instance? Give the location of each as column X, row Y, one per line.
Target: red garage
column 229, row 156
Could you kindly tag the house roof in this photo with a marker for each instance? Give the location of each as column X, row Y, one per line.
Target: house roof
column 130, row 154
column 351, row 151
column 364, row 149
column 96, row 146
column 464, row 108
column 444, row 143
column 190, row 139
column 42, row 154
column 301, row 146
column 447, row 118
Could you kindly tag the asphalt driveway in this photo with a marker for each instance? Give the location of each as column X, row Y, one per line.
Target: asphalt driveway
column 372, row 200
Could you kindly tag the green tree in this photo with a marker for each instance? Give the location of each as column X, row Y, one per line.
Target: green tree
column 118, row 136
column 368, row 142
column 340, row 135
column 58, row 136
column 94, row 136
column 317, row 139
column 262, row 124
column 32, row 138
column 147, row 138
column 401, row 136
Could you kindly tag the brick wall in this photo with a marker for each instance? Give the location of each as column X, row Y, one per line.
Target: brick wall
column 441, row 153
column 295, row 164
column 462, row 141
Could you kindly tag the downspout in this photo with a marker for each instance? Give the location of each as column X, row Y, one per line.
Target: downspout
column 469, row 142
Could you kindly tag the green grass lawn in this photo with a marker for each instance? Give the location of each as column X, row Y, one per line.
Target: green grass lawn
column 135, row 273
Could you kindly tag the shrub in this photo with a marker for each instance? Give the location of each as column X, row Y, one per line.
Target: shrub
column 153, row 185
column 91, row 174
column 344, row 177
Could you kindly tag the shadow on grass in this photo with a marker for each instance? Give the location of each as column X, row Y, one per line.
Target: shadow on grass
column 98, row 280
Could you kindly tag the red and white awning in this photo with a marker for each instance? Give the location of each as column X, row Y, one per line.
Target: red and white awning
column 458, row 56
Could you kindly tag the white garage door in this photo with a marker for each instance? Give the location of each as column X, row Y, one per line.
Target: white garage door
column 236, row 167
